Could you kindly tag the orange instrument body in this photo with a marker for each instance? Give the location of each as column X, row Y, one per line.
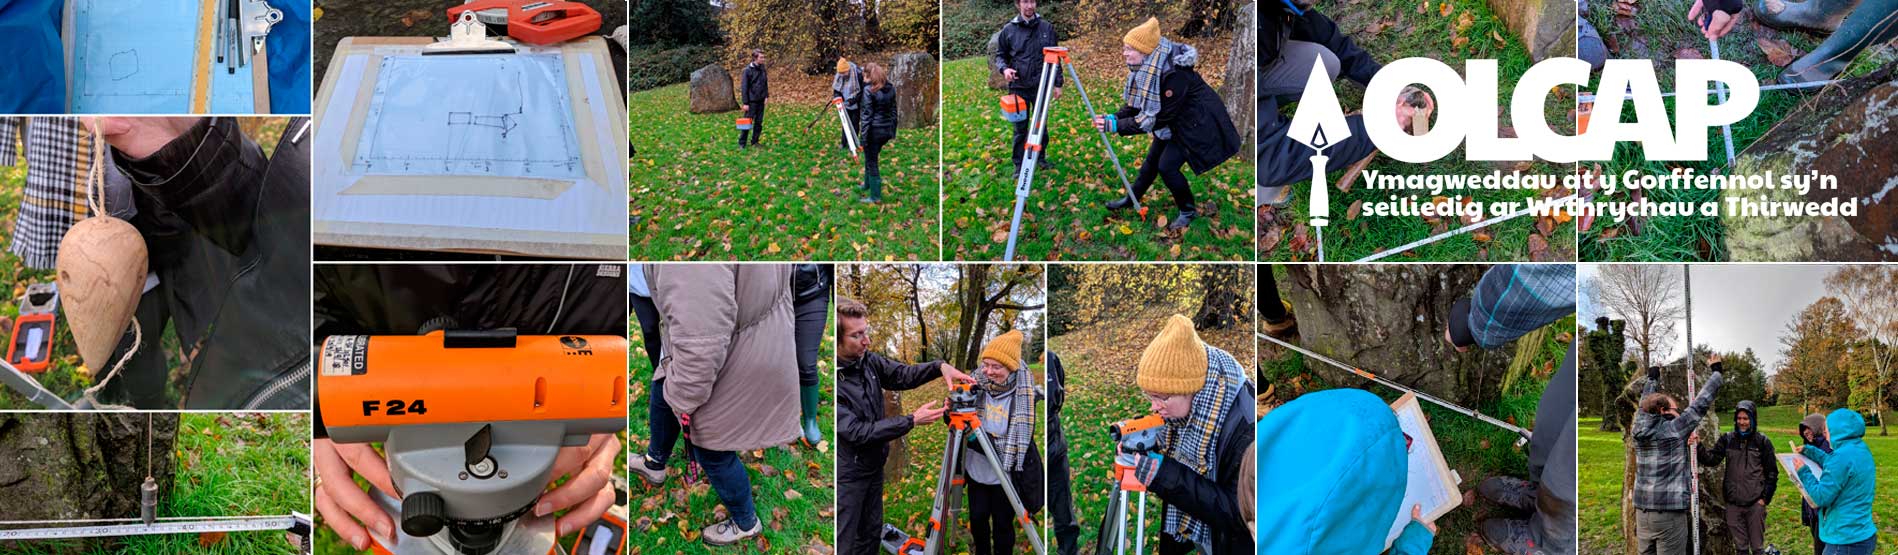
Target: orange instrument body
column 1137, row 429
column 538, row 21
column 381, row 381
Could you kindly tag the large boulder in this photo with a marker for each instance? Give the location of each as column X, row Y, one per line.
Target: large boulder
column 1546, row 27
column 1848, row 130
column 80, row 466
column 996, row 81
column 1390, row 319
column 712, row 90
column 1241, row 87
column 914, row 76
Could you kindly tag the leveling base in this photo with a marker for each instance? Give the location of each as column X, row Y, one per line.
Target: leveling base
column 529, row 535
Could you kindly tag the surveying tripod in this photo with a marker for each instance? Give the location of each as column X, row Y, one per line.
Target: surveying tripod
column 1136, row 438
column 964, row 424
column 1053, row 60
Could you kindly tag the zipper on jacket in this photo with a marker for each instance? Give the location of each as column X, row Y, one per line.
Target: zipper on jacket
column 299, row 375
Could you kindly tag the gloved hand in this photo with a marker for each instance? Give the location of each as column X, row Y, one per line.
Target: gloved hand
column 1145, row 467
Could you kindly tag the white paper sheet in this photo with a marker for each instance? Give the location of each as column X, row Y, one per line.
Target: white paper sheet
column 1427, row 485
column 488, row 115
column 1786, row 462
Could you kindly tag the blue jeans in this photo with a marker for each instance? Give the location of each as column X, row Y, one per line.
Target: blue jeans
column 1866, row 547
column 722, row 468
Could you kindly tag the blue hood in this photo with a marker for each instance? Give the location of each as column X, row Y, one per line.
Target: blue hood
column 1331, row 474
column 1845, row 425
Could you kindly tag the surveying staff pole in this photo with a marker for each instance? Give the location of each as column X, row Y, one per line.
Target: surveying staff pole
column 1693, row 450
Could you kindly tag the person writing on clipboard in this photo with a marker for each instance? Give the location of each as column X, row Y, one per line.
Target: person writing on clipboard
column 1842, row 489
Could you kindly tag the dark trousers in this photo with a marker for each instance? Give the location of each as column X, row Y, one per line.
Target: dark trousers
column 991, row 519
column 722, row 468
column 859, row 515
column 755, row 111
column 648, row 325
column 811, row 316
column 1270, row 306
column 1067, row 532
column 1164, row 159
column 1021, row 128
column 872, row 147
column 1747, row 524
column 1818, row 545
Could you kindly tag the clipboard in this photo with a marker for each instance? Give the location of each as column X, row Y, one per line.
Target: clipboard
column 1431, row 483
column 1786, row 461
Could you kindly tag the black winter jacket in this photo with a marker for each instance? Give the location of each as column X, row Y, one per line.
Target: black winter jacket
column 1193, row 111
column 257, row 211
column 863, row 431
column 879, row 114
column 1018, row 46
column 1752, row 472
column 756, row 85
column 1215, row 503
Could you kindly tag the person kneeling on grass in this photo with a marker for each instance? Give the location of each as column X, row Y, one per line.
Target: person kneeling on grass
column 1332, row 467
column 1812, row 430
column 1844, row 495
column 1166, row 98
column 1007, row 395
column 1749, row 480
column 877, row 127
column 1208, row 405
column 1663, row 482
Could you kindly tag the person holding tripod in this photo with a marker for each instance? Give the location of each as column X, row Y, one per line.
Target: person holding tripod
column 1006, row 394
column 847, row 85
column 1166, row 98
column 1017, row 57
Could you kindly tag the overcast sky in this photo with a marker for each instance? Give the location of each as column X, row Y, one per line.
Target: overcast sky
column 1737, row 307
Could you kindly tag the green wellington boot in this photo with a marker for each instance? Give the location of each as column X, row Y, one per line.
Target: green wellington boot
column 1873, row 22
column 807, row 397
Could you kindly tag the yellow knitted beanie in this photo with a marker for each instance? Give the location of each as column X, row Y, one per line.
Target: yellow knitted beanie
column 843, row 66
column 1144, row 37
column 1175, row 362
column 1006, row 349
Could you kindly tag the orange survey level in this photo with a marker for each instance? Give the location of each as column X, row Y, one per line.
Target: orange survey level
column 535, row 21
column 458, row 377
column 1128, row 427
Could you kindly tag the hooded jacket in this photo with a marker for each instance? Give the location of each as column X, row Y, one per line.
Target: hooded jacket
column 1816, row 422
column 1844, row 494
column 1018, row 46
column 730, row 359
column 1752, row 472
column 1331, row 477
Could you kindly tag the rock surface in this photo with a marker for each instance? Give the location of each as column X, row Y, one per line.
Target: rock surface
column 712, row 90
column 1849, row 130
column 1390, row 319
column 81, row 466
column 914, row 76
column 996, row 81
column 1546, row 27
column 1241, row 87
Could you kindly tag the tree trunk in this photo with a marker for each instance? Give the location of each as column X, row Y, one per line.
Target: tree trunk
column 1389, row 320
column 81, row 466
column 1223, row 304
column 899, row 448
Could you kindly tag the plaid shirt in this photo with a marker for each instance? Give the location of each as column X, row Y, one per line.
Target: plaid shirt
column 58, row 156
column 1662, row 479
column 1512, row 300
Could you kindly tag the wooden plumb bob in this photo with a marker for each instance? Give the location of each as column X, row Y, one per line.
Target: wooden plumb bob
column 101, row 273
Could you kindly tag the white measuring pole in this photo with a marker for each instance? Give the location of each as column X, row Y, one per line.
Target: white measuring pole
column 1693, row 451
column 850, row 131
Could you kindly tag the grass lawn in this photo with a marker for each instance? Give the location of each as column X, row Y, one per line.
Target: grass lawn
column 1066, row 217
column 696, row 195
column 1100, row 360
column 906, row 502
column 1660, row 31
column 228, row 464
column 1430, row 29
column 1473, row 449
column 66, row 375
column 793, row 487
column 1599, row 457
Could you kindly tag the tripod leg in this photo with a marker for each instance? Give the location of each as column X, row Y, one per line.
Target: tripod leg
column 1120, row 523
column 939, row 510
column 1140, row 533
column 1031, row 156
column 1106, row 144
column 1021, row 511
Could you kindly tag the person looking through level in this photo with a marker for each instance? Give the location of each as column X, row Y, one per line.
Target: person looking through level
column 1208, row 404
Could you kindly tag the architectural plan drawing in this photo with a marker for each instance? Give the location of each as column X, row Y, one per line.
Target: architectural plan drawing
column 504, row 115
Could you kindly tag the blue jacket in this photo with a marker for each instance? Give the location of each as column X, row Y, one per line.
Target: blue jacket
column 1331, row 477
column 33, row 79
column 1844, row 495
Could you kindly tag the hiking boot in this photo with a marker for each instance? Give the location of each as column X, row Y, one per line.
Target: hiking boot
column 1272, row 196
column 1121, row 203
column 727, row 532
column 1042, row 163
column 1286, row 329
column 1511, row 536
column 644, row 467
column 1184, row 219
column 1515, row 493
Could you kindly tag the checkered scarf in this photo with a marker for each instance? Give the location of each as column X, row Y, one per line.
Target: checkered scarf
column 1019, row 389
column 1194, row 442
column 58, row 157
column 1143, row 83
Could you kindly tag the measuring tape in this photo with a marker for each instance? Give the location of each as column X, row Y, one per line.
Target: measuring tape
column 1523, row 433
column 296, row 523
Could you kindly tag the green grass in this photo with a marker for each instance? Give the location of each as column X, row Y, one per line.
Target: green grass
column 696, row 195
column 228, row 464
column 1066, row 217
column 1475, row 450
column 907, row 500
column 1599, row 458
column 1660, row 31
column 668, row 518
column 1393, row 30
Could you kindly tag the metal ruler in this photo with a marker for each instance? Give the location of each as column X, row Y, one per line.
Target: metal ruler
column 1523, row 433
column 295, row 522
